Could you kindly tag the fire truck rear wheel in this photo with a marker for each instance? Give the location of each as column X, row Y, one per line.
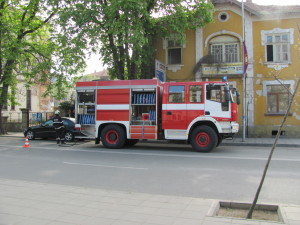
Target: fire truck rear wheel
column 204, row 139
column 131, row 142
column 113, row 136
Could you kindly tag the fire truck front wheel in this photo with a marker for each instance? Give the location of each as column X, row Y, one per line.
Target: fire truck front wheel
column 203, row 139
column 113, row 136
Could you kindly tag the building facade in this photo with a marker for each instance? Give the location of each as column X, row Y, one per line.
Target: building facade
column 31, row 98
column 271, row 36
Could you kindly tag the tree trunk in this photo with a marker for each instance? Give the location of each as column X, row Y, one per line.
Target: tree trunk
column 249, row 216
column 1, row 124
column 116, row 62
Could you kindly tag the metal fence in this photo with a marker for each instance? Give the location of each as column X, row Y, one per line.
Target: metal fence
column 36, row 118
column 33, row 118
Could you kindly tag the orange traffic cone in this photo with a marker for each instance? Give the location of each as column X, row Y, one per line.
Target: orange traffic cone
column 26, row 145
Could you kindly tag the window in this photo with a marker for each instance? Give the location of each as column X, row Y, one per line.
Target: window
column 223, row 16
column 176, row 94
column 216, row 93
column 277, row 44
column 48, row 123
column 277, row 47
column 278, row 98
column 195, row 93
column 225, row 49
column 174, row 51
column 67, row 123
column 86, row 97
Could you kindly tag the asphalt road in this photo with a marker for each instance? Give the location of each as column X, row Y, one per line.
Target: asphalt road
column 228, row 173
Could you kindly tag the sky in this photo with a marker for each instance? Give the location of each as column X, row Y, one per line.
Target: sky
column 276, row 2
column 94, row 63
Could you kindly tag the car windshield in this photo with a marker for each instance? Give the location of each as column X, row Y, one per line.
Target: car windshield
column 67, row 122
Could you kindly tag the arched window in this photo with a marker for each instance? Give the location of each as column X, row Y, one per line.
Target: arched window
column 225, row 49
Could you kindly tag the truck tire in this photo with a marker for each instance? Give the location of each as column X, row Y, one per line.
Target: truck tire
column 220, row 139
column 203, row 139
column 113, row 136
column 131, row 142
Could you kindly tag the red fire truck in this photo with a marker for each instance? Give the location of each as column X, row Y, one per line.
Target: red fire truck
column 121, row 112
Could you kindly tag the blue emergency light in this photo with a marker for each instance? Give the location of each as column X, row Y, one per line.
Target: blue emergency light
column 224, row 78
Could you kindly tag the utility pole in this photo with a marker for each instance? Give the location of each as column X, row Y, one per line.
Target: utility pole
column 244, row 73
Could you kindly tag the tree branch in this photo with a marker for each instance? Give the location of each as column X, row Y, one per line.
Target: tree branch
column 23, row 34
column 35, row 7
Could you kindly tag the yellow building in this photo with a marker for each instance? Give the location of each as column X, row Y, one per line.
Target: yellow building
column 272, row 37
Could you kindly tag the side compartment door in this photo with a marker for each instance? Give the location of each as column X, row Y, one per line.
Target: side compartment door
column 174, row 111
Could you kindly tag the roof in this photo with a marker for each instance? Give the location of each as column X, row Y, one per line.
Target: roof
column 102, row 75
column 237, row 3
column 118, row 84
column 262, row 10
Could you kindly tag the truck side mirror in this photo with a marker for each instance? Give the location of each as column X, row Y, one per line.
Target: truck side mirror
column 227, row 93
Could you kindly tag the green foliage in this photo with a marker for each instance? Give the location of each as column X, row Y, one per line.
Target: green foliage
column 33, row 50
column 67, row 107
column 123, row 31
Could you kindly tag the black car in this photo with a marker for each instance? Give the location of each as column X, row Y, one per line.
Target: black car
column 46, row 130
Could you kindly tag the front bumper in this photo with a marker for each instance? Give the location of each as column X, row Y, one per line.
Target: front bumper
column 234, row 127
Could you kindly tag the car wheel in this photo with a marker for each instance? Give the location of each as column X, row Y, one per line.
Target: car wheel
column 69, row 136
column 30, row 134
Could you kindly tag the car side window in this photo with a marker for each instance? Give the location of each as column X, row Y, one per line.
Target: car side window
column 48, row 123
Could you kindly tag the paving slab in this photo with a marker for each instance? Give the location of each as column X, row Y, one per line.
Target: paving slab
column 24, row 202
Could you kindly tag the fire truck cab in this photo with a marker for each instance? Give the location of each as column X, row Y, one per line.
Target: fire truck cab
column 121, row 112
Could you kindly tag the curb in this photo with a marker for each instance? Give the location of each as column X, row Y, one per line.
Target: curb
column 224, row 143
column 260, row 144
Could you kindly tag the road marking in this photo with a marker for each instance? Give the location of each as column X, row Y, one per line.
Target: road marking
column 98, row 165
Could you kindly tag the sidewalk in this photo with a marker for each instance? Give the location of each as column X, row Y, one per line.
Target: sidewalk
column 32, row 203
column 282, row 142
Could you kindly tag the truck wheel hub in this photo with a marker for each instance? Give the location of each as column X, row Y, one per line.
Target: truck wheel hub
column 203, row 139
column 112, row 137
